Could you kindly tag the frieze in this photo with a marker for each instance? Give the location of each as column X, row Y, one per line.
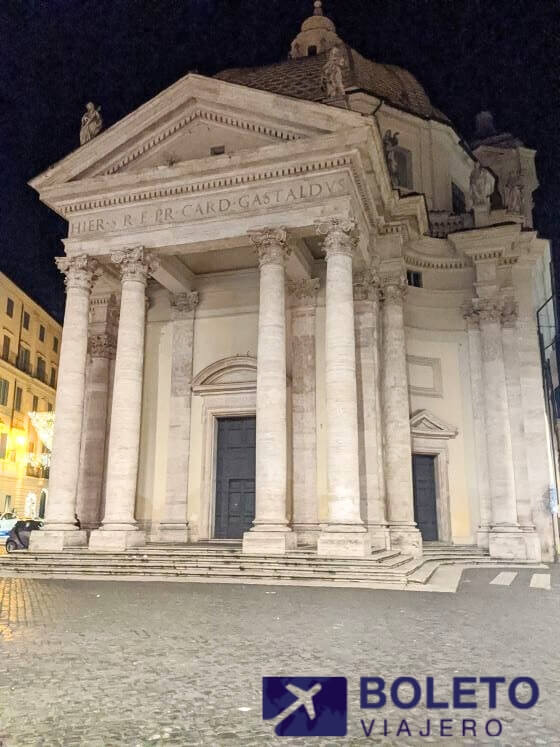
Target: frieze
column 208, row 207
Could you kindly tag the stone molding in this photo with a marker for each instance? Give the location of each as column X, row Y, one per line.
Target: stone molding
column 102, row 346
column 366, row 285
column 135, row 265
column 491, row 310
column 80, row 271
column 271, row 245
column 393, row 287
column 434, row 364
column 183, row 304
column 237, row 373
column 428, row 425
column 340, row 236
column 303, row 292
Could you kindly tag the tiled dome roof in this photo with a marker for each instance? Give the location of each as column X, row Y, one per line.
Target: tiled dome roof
column 300, row 76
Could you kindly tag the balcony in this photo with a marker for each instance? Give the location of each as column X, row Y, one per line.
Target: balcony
column 37, row 471
column 23, row 364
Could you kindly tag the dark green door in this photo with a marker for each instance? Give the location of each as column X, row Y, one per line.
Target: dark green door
column 425, row 507
column 235, row 477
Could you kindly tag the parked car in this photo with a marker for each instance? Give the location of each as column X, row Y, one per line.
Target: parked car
column 7, row 522
column 18, row 539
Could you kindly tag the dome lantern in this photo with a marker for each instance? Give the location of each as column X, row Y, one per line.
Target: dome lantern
column 317, row 35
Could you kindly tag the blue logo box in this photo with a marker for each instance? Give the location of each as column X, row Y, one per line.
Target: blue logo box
column 306, row 706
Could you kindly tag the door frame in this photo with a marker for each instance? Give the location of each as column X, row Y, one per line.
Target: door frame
column 215, row 418
column 430, row 437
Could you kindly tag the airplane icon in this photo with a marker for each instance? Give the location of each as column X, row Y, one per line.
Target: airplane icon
column 303, row 698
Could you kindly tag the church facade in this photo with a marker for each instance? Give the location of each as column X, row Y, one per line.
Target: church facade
column 300, row 312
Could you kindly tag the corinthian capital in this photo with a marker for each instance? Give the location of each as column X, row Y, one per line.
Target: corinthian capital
column 183, row 304
column 393, row 287
column 303, row 292
column 102, row 346
column 366, row 285
column 135, row 263
column 80, row 271
column 340, row 236
column 271, row 245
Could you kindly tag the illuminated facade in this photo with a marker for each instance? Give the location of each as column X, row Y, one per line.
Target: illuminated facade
column 29, row 354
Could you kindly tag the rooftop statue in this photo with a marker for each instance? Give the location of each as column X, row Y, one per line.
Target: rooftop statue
column 390, row 145
column 482, row 186
column 514, row 193
column 92, row 123
column 331, row 81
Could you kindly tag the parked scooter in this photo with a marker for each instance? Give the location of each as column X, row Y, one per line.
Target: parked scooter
column 18, row 539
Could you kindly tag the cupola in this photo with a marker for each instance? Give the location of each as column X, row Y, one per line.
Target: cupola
column 317, row 35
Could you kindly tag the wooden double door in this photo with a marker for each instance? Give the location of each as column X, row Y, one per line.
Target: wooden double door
column 235, row 477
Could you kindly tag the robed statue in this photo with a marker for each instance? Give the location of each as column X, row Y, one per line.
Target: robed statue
column 91, row 123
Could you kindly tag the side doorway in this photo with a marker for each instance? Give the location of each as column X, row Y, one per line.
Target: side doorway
column 235, row 477
column 425, row 495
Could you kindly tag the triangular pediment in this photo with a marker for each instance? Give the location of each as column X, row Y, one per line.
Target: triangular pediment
column 186, row 121
column 425, row 423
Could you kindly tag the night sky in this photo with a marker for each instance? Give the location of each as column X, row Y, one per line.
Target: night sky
column 55, row 55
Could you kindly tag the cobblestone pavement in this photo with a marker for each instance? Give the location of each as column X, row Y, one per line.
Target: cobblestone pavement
column 119, row 663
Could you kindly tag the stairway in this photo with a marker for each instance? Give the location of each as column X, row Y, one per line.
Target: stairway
column 225, row 563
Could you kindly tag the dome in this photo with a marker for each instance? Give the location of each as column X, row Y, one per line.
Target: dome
column 301, row 75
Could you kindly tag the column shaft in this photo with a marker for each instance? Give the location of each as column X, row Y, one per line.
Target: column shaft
column 397, row 443
column 119, row 529
column 270, row 532
column 174, row 525
column 345, row 533
column 60, row 530
column 372, row 484
column 481, row 452
column 304, row 425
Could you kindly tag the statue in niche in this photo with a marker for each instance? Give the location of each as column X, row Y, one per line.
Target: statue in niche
column 390, row 145
column 92, row 123
column 482, row 186
column 514, row 194
column 331, row 80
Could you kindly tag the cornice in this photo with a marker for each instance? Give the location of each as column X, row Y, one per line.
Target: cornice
column 436, row 263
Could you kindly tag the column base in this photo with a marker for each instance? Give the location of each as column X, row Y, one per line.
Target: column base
column 263, row 542
column 173, row 533
column 407, row 539
column 57, row 540
column 342, row 542
column 306, row 534
column 380, row 536
column 507, row 543
column 115, row 540
column 532, row 543
column 483, row 537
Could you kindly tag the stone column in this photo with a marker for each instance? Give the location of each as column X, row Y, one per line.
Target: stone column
column 60, row 531
column 90, row 485
column 345, row 534
column 103, row 325
column 174, row 525
column 303, row 295
column 119, row 530
column 397, row 443
column 479, row 422
column 505, row 539
column 270, row 532
column 372, row 483
column 510, row 344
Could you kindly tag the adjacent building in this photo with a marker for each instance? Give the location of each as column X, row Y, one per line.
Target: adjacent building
column 29, row 358
column 300, row 312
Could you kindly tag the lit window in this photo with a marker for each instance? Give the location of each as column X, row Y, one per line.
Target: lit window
column 414, row 278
